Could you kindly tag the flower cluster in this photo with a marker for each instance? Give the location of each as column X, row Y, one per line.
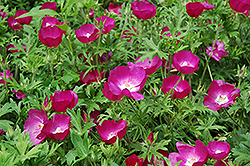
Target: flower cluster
column 16, row 24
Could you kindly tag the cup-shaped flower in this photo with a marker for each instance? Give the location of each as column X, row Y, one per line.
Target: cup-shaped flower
column 127, row 34
column 189, row 155
column 2, row 75
column 149, row 67
column 218, row 149
column 126, row 81
column 218, row 51
column 1, row 132
column 63, row 100
column 143, row 9
column 179, row 90
column 13, row 23
column 220, row 94
column 109, row 130
column 49, row 5
column 51, row 36
column 91, row 76
column 194, row 9
column 19, row 94
column 115, row 8
column 240, row 6
column 133, row 160
column 185, row 62
column 108, row 23
column 50, row 22
column 93, row 116
column 24, row 20
column 57, row 127
column 87, row 33
column 35, row 124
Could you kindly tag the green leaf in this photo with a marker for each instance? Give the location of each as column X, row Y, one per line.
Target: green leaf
column 78, row 143
column 36, row 12
column 63, row 27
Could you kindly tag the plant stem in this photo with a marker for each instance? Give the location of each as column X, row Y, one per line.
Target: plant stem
column 225, row 110
column 97, row 56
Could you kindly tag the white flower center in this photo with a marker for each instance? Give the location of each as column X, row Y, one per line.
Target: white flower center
column 218, row 151
column 48, row 24
column 111, row 135
column 159, row 163
column 40, row 126
column 88, row 35
column 221, row 99
column 58, row 130
column 185, row 63
column 191, row 161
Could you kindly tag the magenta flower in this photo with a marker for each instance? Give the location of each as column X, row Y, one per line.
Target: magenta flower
column 13, row 46
column 185, row 62
column 49, row 34
column 194, row 9
column 24, row 20
column 109, row 130
column 49, row 5
column 57, row 127
column 2, row 14
column 35, row 124
column 108, row 23
column 143, row 9
column 180, row 91
column 220, row 94
column 13, row 23
column 63, row 100
column 19, row 94
column 166, row 29
column 207, row 6
column 87, row 33
column 8, row 76
column 218, row 149
column 240, row 6
column 189, row 155
column 91, row 76
column 221, row 163
column 46, row 102
column 218, row 51
column 115, row 8
column 91, row 12
column 94, row 115
column 127, row 34
column 125, row 81
column 150, row 68
column 105, row 57
column 1, row 132
column 133, row 160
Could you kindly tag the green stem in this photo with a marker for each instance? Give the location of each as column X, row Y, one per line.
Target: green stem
column 225, row 110
column 140, row 40
column 97, row 55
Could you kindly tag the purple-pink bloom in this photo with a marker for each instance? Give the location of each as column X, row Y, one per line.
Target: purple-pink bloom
column 2, row 14
column 91, row 12
column 35, row 124
column 207, row 6
column 128, row 35
column 126, row 81
column 19, row 94
column 109, row 130
column 13, row 46
column 218, row 51
column 63, row 100
column 94, row 115
column 87, row 33
column 194, row 9
column 218, row 149
column 46, row 102
column 49, row 34
column 133, row 160
column 143, row 9
column 108, row 23
column 57, row 127
column 149, row 67
column 49, row 5
column 185, row 62
column 240, row 6
column 1, row 132
column 8, row 76
column 179, row 90
column 13, row 23
column 105, row 57
column 189, row 155
column 220, row 94
column 91, row 76
column 24, row 20
column 115, row 8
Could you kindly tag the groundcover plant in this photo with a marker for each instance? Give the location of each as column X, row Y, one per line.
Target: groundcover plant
column 124, row 82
